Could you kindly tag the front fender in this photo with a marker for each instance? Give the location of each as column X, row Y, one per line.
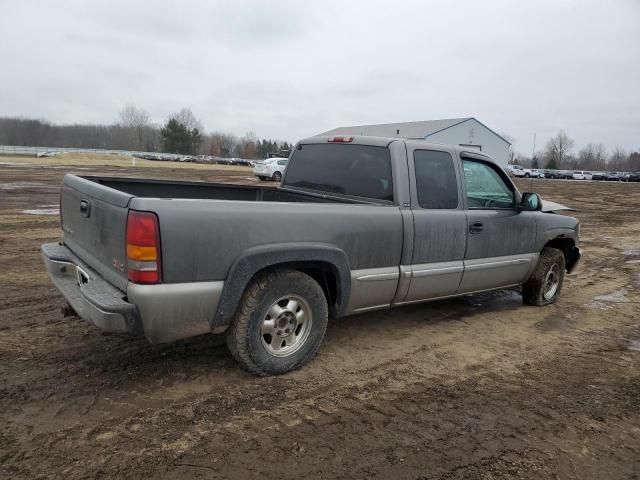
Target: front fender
column 259, row 258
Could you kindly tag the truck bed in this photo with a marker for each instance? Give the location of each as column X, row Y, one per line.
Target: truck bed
column 146, row 188
column 204, row 227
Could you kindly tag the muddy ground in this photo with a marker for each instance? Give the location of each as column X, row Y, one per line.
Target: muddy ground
column 477, row 387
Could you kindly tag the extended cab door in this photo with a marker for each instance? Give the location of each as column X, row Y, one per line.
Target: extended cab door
column 501, row 239
column 440, row 226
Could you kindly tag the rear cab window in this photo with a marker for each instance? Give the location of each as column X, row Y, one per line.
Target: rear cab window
column 342, row 169
column 436, row 182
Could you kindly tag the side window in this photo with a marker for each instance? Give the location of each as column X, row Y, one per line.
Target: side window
column 436, row 183
column 485, row 187
column 282, row 162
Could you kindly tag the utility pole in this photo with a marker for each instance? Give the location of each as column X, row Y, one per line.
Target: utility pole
column 533, row 151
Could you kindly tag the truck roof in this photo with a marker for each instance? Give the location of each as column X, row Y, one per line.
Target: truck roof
column 385, row 141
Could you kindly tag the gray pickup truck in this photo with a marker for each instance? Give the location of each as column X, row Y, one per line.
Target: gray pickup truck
column 358, row 224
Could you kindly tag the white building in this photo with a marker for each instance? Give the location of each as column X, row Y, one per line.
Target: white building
column 467, row 132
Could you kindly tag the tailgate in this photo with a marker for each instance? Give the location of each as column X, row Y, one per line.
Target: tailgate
column 94, row 222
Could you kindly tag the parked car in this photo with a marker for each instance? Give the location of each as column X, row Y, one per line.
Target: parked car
column 632, row 177
column 537, row 173
column 358, row 224
column 578, row 175
column 522, row 172
column 612, row 177
column 271, row 169
column 511, row 168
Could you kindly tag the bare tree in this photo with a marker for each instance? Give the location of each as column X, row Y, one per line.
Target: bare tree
column 188, row 119
column 619, row 159
column 599, row 157
column 558, row 149
column 137, row 121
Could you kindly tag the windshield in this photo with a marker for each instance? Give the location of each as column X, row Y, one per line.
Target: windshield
column 353, row 170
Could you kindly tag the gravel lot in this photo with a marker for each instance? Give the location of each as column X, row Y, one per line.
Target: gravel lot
column 477, row 387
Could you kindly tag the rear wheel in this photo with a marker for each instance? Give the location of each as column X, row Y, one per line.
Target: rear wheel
column 280, row 322
column 545, row 283
column 526, row 175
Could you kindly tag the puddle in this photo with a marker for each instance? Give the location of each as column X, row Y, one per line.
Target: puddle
column 602, row 301
column 633, row 252
column 553, row 322
column 634, row 345
column 42, row 211
column 632, row 262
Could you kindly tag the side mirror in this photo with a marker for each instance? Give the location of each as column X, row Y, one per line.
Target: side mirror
column 531, row 202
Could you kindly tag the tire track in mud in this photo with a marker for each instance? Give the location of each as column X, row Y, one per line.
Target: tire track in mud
column 426, row 427
column 376, row 407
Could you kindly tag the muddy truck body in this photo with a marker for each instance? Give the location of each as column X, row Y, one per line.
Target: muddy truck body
column 357, row 224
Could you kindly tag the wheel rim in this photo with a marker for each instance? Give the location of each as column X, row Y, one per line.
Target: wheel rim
column 277, row 176
column 286, row 326
column 551, row 282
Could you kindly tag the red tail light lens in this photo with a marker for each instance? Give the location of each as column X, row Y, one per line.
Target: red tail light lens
column 143, row 247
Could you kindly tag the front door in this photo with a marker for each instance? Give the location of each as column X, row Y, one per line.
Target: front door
column 501, row 238
column 440, row 226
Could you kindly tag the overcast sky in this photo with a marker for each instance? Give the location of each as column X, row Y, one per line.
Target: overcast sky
column 290, row 69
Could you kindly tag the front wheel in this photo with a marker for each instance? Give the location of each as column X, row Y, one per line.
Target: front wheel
column 280, row 322
column 545, row 283
column 277, row 176
column 526, row 175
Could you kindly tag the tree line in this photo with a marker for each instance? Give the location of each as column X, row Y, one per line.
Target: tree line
column 182, row 133
column 559, row 154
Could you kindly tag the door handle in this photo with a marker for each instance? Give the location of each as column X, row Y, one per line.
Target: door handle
column 476, row 227
column 85, row 208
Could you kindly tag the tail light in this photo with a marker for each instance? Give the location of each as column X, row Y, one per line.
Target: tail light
column 143, row 247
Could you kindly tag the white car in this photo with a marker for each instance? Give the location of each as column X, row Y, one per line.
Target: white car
column 271, row 169
column 518, row 171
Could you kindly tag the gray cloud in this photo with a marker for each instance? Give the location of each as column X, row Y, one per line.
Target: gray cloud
column 290, row 69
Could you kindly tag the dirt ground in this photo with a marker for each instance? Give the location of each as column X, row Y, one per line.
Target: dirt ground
column 477, row 387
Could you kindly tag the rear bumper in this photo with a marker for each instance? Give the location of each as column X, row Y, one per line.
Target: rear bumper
column 93, row 298
column 163, row 312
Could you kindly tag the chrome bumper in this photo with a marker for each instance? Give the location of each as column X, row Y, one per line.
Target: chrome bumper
column 163, row 313
column 93, row 298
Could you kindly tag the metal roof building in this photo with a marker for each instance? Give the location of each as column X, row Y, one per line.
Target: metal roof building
column 467, row 132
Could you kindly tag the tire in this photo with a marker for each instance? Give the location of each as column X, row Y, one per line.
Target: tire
column 277, row 176
column 526, row 175
column 262, row 179
column 262, row 353
column 538, row 290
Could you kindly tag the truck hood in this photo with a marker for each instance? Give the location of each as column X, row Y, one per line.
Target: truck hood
column 548, row 206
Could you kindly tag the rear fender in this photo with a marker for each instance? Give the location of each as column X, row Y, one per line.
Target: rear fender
column 260, row 258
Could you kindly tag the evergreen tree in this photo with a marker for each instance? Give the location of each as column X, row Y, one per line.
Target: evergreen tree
column 176, row 138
